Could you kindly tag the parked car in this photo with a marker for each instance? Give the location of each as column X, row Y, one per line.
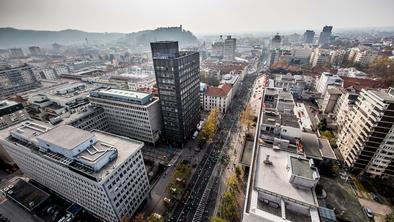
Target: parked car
column 369, row 212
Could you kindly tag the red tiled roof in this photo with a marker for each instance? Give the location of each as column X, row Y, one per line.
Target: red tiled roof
column 220, row 91
column 362, row 83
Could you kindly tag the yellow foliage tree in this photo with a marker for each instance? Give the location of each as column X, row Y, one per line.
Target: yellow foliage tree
column 210, row 125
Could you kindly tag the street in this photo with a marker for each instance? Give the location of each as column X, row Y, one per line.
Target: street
column 194, row 204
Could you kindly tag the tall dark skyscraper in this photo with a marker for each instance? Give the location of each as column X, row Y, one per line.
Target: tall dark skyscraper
column 325, row 35
column 178, row 82
column 309, row 36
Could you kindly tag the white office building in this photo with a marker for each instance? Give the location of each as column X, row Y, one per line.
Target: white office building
column 102, row 172
column 133, row 114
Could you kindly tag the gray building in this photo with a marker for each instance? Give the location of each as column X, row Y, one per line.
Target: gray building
column 308, row 37
column 229, row 48
column 178, row 83
column 35, row 51
column 16, row 79
column 102, row 172
column 325, row 35
column 132, row 114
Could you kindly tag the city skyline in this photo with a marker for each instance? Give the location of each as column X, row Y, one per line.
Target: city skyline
column 234, row 16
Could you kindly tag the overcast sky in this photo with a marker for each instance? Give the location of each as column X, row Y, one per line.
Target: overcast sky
column 199, row 16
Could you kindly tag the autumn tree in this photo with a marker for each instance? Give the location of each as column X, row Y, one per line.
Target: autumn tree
column 383, row 68
column 210, row 125
column 232, row 183
column 247, row 116
column 218, row 219
column 228, row 207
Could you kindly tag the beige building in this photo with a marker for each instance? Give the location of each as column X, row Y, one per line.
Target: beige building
column 366, row 141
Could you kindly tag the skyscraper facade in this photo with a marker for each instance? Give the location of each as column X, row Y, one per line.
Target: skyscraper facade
column 308, row 37
column 276, row 41
column 229, row 48
column 178, row 80
column 325, row 35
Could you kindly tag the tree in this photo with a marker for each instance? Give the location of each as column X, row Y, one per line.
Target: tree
column 228, row 207
column 238, row 171
column 322, row 125
column 383, row 68
column 210, row 125
column 138, row 218
column 232, row 183
column 155, row 218
column 218, row 219
column 390, row 216
column 247, row 116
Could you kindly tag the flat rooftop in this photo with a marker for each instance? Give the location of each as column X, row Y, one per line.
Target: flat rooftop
column 7, row 103
column 301, row 167
column 275, row 178
column 26, row 194
column 125, row 147
column 128, row 96
column 66, row 136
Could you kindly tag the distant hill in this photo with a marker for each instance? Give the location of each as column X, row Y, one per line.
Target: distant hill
column 143, row 38
column 11, row 37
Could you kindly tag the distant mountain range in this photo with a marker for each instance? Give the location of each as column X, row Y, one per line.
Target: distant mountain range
column 11, row 37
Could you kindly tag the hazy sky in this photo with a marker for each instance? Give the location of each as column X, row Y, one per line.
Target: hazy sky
column 199, row 16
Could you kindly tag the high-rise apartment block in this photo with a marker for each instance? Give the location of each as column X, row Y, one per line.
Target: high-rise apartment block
column 132, row 114
column 366, row 140
column 102, row 172
column 309, row 36
column 178, row 81
column 325, row 35
column 229, row 48
column 16, row 79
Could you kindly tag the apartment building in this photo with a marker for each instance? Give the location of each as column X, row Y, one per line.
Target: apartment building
column 320, row 57
column 366, row 141
column 345, row 103
column 102, row 172
column 132, row 114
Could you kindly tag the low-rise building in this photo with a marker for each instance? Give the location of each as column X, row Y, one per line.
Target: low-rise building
column 219, row 97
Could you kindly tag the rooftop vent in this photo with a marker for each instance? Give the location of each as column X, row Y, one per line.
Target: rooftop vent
column 267, row 160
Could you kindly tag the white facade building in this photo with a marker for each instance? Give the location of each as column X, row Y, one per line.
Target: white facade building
column 219, row 97
column 103, row 173
column 132, row 114
column 326, row 79
column 366, row 141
